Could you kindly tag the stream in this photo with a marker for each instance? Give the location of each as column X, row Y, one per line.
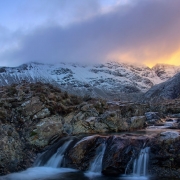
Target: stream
column 51, row 167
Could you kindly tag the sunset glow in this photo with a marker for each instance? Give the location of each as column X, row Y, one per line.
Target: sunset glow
column 146, row 58
column 172, row 59
column 91, row 31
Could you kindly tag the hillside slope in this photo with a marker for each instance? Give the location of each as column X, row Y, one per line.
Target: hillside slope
column 169, row 89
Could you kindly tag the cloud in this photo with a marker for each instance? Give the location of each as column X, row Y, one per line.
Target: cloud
column 146, row 31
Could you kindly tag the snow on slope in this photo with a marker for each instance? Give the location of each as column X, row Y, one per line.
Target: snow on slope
column 106, row 79
column 165, row 71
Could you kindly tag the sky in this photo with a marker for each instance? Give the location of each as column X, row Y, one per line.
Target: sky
column 89, row 31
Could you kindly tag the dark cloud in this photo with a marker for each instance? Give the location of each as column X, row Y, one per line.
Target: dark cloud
column 147, row 30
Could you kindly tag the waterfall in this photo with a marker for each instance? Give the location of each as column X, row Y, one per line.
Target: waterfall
column 96, row 165
column 140, row 165
column 57, row 158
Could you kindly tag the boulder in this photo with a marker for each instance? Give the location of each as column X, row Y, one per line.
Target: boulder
column 152, row 117
column 83, row 152
column 32, row 106
column 165, row 155
column 43, row 131
column 169, row 135
column 137, row 122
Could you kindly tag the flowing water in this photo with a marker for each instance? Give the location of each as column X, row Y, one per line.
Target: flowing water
column 57, row 158
column 48, row 170
column 48, row 173
column 140, row 165
column 96, row 166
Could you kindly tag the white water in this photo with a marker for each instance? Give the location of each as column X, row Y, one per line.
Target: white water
column 57, row 158
column 140, row 165
column 84, row 139
column 50, row 170
column 96, row 165
column 38, row 173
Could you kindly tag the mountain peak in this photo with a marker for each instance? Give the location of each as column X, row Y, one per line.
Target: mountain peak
column 161, row 65
column 165, row 71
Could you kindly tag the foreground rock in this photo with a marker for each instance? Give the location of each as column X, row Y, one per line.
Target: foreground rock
column 120, row 152
column 34, row 116
column 165, row 155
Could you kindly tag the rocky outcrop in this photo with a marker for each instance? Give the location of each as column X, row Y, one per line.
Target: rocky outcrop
column 84, row 151
column 36, row 116
column 120, row 153
column 153, row 118
column 33, row 116
column 166, row 107
column 11, row 147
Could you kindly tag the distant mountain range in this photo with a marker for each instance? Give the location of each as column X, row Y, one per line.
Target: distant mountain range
column 101, row 80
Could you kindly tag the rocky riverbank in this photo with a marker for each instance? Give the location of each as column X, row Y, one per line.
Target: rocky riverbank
column 35, row 116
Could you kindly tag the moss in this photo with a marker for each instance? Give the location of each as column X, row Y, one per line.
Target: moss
column 33, row 133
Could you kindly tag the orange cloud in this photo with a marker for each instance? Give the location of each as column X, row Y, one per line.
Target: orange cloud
column 146, row 56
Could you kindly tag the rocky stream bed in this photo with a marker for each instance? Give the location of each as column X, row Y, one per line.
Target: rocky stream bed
column 39, row 118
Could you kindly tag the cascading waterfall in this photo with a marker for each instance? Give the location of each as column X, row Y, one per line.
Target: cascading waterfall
column 96, row 165
column 57, row 158
column 140, row 165
column 48, row 163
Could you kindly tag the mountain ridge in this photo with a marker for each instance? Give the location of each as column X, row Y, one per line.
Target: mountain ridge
column 99, row 80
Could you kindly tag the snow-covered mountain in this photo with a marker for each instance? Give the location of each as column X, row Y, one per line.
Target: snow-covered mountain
column 165, row 71
column 103, row 80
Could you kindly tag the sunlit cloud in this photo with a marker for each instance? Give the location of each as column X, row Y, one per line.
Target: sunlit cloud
column 92, row 31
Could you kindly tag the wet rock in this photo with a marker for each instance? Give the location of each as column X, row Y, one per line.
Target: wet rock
column 121, row 151
column 152, row 117
column 164, row 156
column 168, row 135
column 84, row 151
